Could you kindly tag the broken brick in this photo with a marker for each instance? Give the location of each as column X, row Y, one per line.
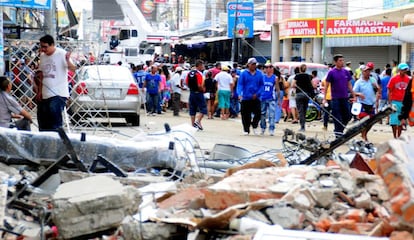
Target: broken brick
column 182, row 199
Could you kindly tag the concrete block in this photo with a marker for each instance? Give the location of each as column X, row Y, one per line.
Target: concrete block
column 323, row 196
column 286, row 217
column 92, row 204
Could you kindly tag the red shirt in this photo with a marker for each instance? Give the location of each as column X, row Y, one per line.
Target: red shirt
column 396, row 87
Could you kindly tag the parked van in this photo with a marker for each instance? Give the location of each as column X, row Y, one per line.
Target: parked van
column 287, row 68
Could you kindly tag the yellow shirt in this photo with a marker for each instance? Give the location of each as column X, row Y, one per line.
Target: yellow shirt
column 327, row 90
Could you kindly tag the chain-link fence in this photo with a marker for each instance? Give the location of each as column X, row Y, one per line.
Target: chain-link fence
column 22, row 58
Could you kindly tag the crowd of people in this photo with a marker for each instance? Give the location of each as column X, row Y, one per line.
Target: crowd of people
column 258, row 93
column 262, row 97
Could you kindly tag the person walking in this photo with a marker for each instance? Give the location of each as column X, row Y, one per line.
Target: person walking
column 327, row 106
column 176, row 87
column 210, row 85
column 279, row 95
column 339, row 81
column 152, row 85
column 224, row 86
column 10, row 108
column 196, row 101
column 292, row 97
column 383, row 101
column 304, row 90
column 234, row 100
column 249, row 88
column 365, row 93
column 396, row 90
column 54, row 64
column 268, row 99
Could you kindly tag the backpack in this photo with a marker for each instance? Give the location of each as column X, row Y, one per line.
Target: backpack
column 192, row 81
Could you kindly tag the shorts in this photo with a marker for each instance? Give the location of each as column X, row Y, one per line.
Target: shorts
column 224, row 99
column 197, row 102
column 366, row 110
column 292, row 103
column 285, row 105
column 394, row 121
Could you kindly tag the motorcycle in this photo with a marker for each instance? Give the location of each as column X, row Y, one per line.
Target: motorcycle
column 314, row 110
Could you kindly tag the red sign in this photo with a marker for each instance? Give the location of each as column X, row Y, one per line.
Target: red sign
column 298, row 28
column 312, row 28
column 346, row 28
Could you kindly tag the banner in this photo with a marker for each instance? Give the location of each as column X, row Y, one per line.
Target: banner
column 39, row 4
column 240, row 19
column 335, row 27
column 348, row 28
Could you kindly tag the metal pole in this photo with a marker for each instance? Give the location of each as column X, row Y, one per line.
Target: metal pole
column 233, row 45
column 324, row 32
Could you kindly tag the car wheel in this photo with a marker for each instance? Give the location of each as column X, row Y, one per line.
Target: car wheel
column 133, row 119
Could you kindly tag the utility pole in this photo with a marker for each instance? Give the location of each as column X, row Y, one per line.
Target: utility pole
column 324, row 32
column 50, row 20
column 234, row 42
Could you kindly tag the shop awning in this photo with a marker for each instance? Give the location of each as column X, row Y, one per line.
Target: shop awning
column 203, row 40
column 265, row 36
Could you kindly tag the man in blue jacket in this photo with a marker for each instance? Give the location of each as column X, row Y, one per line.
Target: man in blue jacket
column 248, row 88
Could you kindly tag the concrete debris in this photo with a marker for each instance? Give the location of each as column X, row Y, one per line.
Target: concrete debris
column 91, row 205
column 374, row 198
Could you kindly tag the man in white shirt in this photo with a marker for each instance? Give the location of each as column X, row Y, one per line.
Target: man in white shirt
column 54, row 63
column 225, row 86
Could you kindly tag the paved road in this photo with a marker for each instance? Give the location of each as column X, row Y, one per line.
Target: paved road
column 230, row 131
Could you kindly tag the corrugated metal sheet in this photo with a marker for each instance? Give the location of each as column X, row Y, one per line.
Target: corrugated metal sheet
column 380, row 56
column 361, row 41
column 106, row 10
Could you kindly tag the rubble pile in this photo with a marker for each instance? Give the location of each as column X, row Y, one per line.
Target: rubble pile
column 244, row 203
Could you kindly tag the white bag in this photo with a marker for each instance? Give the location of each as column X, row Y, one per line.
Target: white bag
column 356, row 108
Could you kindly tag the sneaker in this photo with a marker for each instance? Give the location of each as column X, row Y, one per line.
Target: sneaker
column 245, row 133
column 301, row 130
column 198, row 125
column 255, row 132
column 154, row 114
column 263, row 131
column 271, row 132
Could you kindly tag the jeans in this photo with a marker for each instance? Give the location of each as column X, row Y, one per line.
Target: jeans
column 176, row 103
column 278, row 108
column 341, row 112
column 302, row 104
column 268, row 108
column 49, row 113
column 153, row 102
column 234, row 106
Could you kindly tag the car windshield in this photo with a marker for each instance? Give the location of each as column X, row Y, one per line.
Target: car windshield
column 108, row 73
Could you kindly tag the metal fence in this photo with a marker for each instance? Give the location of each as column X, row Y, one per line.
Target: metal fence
column 22, row 58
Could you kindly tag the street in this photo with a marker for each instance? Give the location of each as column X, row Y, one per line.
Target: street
column 230, row 131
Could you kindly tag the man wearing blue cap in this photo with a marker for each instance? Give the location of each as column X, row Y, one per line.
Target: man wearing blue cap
column 396, row 90
column 249, row 87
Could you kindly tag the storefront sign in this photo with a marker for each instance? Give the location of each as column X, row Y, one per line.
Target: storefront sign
column 240, row 19
column 313, row 28
column 39, row 4
column 299, row 28
column 347, row 28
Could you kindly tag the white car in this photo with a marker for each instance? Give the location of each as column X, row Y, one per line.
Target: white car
column 105, row 90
